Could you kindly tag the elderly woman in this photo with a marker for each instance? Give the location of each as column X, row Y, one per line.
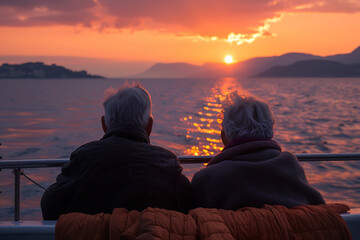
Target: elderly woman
column 251, row 170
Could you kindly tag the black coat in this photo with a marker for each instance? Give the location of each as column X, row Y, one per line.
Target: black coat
column 121, row 170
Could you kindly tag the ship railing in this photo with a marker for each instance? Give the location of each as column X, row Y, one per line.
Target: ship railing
column 18, row 165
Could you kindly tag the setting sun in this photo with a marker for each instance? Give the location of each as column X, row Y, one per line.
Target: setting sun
column 228, row 59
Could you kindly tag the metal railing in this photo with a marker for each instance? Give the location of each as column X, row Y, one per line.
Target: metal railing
column 18, row 165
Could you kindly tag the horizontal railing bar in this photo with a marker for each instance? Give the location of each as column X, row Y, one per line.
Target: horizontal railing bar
column 33, row 163
column 328, row 157
column 44, row 163
column 194, row 159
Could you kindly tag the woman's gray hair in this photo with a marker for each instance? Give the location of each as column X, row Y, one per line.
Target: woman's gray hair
column 245, row 116
column 131, row 104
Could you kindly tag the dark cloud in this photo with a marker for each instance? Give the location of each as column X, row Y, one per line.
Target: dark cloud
column 187, row 17
column 204, row 17
column 60, row 5
column 42, row 12
column 327, row 6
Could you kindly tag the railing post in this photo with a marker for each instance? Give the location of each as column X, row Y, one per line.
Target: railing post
column 17, row 194
column 0, row 159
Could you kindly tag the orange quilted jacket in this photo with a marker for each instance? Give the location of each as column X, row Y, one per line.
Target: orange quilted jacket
column 268, row 223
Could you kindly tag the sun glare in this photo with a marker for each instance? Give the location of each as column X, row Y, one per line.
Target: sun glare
column 228, row 59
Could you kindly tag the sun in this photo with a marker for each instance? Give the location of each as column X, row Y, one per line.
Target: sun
column 228, row 59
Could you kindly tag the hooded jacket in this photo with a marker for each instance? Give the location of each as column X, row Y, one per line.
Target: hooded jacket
column 251, row 174
column 120, row 170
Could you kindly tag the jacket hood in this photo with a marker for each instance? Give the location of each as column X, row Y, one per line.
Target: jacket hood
column 245, row 148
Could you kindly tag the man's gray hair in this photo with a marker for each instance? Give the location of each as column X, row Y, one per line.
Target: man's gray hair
column 131, row 104
column 245, row 116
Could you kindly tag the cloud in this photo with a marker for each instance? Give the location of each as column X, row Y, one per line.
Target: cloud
column 231, row 20
column 326, row 6
column 201, row 17
column 44, row 13
column 63, row 5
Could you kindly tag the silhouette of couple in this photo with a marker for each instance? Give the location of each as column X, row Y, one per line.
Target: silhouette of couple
column 123, row 170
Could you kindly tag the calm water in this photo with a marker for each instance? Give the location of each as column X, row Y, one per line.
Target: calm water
column 50, row 118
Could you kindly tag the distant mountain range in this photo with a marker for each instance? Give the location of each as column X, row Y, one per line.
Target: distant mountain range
column 40, row 70
column 313, row 68
column 287, row 65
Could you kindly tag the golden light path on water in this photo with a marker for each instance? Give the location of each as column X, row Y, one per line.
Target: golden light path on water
column 204, row 126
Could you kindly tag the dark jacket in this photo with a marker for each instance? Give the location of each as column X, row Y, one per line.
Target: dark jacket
column 252, row 174
column 120, row 170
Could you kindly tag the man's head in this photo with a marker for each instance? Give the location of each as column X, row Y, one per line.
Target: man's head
column 246, row 117
column 131, row 104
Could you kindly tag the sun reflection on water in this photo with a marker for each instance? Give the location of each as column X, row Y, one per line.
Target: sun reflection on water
column 203, row 128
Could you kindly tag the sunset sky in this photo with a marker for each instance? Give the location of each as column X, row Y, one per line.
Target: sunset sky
column 115, row 37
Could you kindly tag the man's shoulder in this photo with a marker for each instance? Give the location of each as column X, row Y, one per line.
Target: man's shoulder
column 162, row 150
column 160, row 154
column 87, row 146
column 110, row 145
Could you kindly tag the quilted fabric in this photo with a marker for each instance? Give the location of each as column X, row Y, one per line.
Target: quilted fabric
column 83, row 226
column 123, row 224
column 159, row 224
column 273, row 222
column 308, row 222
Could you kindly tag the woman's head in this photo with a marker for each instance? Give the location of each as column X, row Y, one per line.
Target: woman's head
column 244, row 116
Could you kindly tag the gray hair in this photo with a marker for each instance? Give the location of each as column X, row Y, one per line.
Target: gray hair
column 246, row 116
column 131, row 104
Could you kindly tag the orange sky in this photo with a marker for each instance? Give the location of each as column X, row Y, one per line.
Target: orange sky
column 134, row 32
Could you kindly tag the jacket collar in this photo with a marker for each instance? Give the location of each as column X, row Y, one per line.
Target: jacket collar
column 237, row 141
column 243, row 149
column 129, row 131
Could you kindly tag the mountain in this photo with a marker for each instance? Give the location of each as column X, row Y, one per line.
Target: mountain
column 255, row 66
column 185, row 70
column 247, row 68
column 353, row 57
column 211, row 70
column 170, row 70
column 314, row 68
column 40, row 70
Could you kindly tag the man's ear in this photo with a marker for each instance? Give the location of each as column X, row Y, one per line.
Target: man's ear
column 149, row 126
column 103, row 124
column 223, row 137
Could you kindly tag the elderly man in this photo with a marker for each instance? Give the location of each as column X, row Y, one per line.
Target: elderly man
column 251, row 170
column 122, row 169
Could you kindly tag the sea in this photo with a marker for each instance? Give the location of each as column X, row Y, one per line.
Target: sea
column 49, row 118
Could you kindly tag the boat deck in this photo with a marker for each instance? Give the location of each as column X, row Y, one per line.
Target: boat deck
column 42, row 230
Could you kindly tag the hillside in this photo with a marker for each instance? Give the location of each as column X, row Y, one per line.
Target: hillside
column 40, row 70
column 163, row 70
column 350, row 58
column 313, row 68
